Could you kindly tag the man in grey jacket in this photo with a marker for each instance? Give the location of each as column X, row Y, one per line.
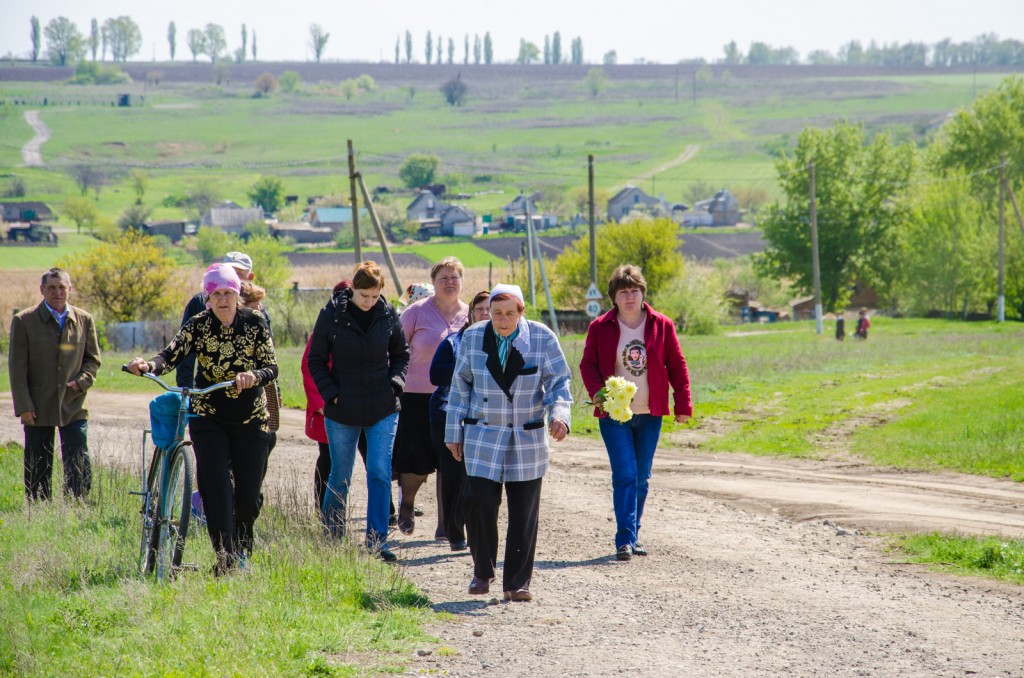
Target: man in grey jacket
column 54, row 358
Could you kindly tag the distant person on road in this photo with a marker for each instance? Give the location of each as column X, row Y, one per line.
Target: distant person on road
column 863, row 325
column 54, row 357
column 636, row 343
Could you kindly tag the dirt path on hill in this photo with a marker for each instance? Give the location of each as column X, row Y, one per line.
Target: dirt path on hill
column 757, row 567
column 32, row 152
column 688, row 153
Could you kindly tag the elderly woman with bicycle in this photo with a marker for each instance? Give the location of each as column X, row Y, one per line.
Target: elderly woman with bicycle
column 229, row 428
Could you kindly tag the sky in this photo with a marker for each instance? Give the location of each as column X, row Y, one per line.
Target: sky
column 661, row 31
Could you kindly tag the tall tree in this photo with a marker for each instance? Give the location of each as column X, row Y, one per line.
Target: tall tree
column 196, row 42
column 577, row 50
column 547, row 49
column 429, row 52
column 528, row 52
column 94, row 38
column 408, row 47
column 318, row 38
column 477, row 51
column 488, row 49
column 268, row 193
column 216, row 43
column 172, row 38
column 36, row 34
column 440, row 47
column 63, row 41
column 556, row 48
column 398, row 49
column 860, row 191
column 245, row 43
column 254, row 45
column 123, row 36
column 451, row 51
column 465, row 56
column 733, row 55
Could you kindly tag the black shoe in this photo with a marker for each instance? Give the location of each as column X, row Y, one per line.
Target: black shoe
column 639, row 549
column 417, row 511
column 624, row 552
column 458, row 546
column 393, row 520
column 387, row 556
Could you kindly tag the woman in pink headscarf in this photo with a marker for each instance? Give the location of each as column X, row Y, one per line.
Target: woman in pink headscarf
column 229, row 428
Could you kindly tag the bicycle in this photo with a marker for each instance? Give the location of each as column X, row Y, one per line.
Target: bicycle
column 167, row 490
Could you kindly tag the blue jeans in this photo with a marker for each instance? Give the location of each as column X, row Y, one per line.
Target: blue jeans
column 342, row 439
column 631, row 447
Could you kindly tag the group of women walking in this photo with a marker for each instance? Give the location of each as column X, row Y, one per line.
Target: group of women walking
column 471, row 391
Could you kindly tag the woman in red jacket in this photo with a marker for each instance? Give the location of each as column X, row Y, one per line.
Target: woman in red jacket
column 638, row 344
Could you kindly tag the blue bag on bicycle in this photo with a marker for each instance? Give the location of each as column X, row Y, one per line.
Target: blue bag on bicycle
column 163, row 418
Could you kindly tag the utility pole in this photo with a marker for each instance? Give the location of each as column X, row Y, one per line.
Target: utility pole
column 590, row 205
column 355, row 202
column 529, row 250
column 380, row 233
column 1001, row 297
column 814, row 254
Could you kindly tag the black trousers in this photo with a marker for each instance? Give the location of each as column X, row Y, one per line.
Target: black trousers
column 226, row 452
column 74, row 452
column 453, row 479
column 480, row 501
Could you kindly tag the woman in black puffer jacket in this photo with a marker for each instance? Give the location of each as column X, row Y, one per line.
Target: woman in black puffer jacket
column 358, row 358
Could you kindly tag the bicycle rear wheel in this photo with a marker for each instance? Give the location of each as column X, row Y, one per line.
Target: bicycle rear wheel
column 175, row 511
column 150, row 514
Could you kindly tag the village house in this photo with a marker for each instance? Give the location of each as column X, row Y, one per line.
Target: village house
column 231, row 218
column 723, row 208
column 26, row 211
column 630, row 199
column 436, row 217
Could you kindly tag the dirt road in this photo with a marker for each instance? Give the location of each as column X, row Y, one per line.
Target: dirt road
column 32, row 152
column 757, row 567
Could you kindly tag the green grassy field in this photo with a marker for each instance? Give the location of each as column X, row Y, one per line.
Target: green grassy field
column 520, row 136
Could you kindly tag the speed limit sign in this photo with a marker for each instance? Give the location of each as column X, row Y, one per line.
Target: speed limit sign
column 593, row 308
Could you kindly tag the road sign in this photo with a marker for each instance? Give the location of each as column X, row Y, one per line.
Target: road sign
column 594, row 293
column 593, row 309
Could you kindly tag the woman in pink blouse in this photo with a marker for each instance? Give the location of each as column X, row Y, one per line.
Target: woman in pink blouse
column 426, row 323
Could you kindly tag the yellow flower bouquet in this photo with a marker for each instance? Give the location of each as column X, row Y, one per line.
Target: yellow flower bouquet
column 615, row 397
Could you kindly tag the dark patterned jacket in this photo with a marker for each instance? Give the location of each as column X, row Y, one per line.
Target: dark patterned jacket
column 221, row 353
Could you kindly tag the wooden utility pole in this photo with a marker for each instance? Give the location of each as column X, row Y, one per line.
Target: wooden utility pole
column 590, row 206
column 1016, row 208
column 355, row 202
column 819, row 326
column 380, row 233
column 543, row 274
column 529, row 250
column 1001, row 296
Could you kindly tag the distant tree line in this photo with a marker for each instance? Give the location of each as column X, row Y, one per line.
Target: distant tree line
column 984, row 50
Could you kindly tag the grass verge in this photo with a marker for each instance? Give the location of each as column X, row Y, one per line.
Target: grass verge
column 991, row 557
column 73, row 603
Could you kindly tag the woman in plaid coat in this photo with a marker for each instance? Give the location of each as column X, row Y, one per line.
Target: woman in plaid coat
column 509, row 373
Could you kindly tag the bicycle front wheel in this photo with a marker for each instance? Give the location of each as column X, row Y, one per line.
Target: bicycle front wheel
column 175, row 511
column 151, row 514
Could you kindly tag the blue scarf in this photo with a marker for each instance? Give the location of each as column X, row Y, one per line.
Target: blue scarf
column 504, row 343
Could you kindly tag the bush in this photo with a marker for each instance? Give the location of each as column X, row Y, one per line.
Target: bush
column 694, row 301
column 289, row 82
column 266, row 84
column 93, row 73
column 418, row 170
column 15, row 188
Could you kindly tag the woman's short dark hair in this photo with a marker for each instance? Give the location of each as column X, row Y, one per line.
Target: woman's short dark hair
column 626, row 277
column 368, row 276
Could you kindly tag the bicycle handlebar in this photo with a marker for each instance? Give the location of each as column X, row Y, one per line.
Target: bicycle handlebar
column 181, row 389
